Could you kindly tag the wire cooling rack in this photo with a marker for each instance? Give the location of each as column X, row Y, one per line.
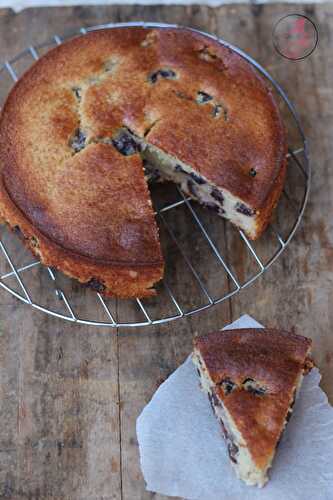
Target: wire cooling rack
column 207, row 260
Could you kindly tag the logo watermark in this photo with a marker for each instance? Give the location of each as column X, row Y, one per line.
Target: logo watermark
column 295, row 37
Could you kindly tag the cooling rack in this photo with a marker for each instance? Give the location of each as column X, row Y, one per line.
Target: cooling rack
column 202, row 251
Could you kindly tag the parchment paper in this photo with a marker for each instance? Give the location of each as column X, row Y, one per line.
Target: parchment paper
column 183, row 452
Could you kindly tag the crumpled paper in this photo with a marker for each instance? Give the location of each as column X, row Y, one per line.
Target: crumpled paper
column 183, row 453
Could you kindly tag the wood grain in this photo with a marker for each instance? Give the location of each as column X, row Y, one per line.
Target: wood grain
column 69, row 394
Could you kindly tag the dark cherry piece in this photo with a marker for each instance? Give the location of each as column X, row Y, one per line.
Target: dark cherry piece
column 227, row 385
column 179, row 169
column 197, row 178
column 254, row 387
column 77, row 92
column 232, row 450
column 217, row 195
column 78, row 141
column 153, row 174
column 34, row 242
column 217, row 110
column 125, row 144
column 215, row 400
column 203, row 97
column 96, row 285
column 243, row 209
column 168, row 74
column 191, row 188
column 213, row 207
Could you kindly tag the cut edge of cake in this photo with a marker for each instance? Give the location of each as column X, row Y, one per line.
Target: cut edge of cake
column 159, row 165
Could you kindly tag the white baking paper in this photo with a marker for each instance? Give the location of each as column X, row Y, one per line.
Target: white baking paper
column 183, row 453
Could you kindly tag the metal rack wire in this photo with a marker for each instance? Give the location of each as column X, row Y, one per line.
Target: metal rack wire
column 17, row 267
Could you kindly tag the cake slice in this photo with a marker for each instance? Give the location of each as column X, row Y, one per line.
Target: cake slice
column 252, row 377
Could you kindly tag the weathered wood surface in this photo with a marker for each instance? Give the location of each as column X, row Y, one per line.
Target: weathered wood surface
column 70, row 395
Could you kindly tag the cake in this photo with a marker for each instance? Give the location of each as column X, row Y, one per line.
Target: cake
column 252, row 378
column 79, row 126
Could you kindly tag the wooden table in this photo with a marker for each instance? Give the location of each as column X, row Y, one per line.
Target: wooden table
column 69, row 394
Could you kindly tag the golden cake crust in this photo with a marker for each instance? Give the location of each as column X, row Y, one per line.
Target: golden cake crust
column 124, row 279
column 89, row 210
column 274, row 359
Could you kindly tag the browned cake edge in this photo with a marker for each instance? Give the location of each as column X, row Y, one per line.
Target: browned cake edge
column 266, row 213
column 111, row 279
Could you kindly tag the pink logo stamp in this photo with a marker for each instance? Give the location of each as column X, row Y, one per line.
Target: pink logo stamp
column 295, row 36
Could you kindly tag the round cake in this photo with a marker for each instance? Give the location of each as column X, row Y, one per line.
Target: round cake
column 78, row 128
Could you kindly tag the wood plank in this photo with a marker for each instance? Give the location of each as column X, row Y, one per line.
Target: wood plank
column 60, row 415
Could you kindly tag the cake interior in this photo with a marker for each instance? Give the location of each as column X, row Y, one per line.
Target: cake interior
column 162, row 166
column 239, row 454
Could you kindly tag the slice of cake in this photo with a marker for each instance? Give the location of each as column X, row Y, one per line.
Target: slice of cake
column 252, row 377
